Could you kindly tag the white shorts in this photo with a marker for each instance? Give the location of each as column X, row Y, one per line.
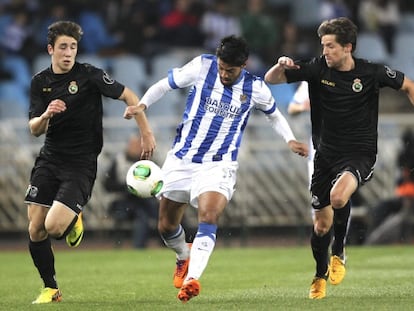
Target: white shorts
column 184, row 181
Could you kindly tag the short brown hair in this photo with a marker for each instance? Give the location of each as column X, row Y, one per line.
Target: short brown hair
column 343, row 28
column 63, row 28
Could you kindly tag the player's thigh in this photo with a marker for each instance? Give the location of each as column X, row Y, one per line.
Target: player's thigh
column 214, row 177
column 59, row 218
column 177, row 180
column 44, row 184
column 343, row 189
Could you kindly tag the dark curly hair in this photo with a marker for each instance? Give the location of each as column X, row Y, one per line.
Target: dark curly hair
column 233, row 51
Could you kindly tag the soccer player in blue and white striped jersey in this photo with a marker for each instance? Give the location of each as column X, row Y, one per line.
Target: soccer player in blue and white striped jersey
column 200, row 169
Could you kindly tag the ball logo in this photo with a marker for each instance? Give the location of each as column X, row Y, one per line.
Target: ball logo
column 142, row 172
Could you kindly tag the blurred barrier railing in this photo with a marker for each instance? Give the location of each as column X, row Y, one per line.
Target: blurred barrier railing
column 271, row 187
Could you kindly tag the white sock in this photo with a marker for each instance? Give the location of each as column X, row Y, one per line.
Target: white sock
column 203, row 246
column 176, row 241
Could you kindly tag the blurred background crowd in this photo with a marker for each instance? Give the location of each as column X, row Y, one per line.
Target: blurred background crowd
column 147, row 28
column 137, row 41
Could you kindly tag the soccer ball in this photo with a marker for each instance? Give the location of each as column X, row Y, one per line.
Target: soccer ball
column 144, row 179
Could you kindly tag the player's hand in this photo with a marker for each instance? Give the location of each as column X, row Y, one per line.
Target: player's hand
column 131, row 111
column 287, row 63
column 148, row 145
column 54, row 107
column 299, row 148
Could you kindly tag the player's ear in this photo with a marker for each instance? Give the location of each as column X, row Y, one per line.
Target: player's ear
column 49, row 49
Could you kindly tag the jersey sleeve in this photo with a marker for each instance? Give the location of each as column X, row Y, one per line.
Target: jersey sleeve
column 107, row 86
column 389, row 77
column 37, row 104
column 186, row 75
column 307, row 71
column 262, row 97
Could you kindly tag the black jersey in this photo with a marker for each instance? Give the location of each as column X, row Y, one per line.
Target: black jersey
column 76, row 133
column 344, row 104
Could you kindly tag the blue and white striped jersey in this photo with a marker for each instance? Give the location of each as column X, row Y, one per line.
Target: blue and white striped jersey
column 215, row 115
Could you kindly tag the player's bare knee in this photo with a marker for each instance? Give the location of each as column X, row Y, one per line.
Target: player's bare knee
column 53, row 229
column 338, row 201
column 165, row 227
column 321, row 229
column 36, row 232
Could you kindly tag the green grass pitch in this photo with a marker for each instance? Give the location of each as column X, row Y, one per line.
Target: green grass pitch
column 278, row 278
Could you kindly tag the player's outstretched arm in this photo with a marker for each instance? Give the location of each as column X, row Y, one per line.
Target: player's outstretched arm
column 136, row 110
column 282, row 127
column 276, row 74
column 299, row 148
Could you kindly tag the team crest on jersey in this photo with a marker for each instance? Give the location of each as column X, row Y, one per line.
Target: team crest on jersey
column 243, row 98
column 73, row 87
column 390, row 73
column 357, row 86
column 107, row 78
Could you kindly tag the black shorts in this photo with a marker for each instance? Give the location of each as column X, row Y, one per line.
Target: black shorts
column 328, row 169
column 69, row 185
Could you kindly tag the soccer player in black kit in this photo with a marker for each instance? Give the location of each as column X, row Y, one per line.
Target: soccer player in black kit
column 344, row 94
column 66, row 106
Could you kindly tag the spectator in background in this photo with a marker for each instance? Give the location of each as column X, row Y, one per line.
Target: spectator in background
column 379, row 230
column 97, row 37
column 16, row 46
column 334, row 8
column 51, row 11
column 181, row 26
column 381, row 16
column 293, row 43
column 260, row 29
column 14, row 86
column 15, row 37
column 138, row 22
column 126, row 207
column 217, row 23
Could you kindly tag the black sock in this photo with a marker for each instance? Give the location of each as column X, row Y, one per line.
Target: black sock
column 44, row 260
column 340, row 225
column 320, row 250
